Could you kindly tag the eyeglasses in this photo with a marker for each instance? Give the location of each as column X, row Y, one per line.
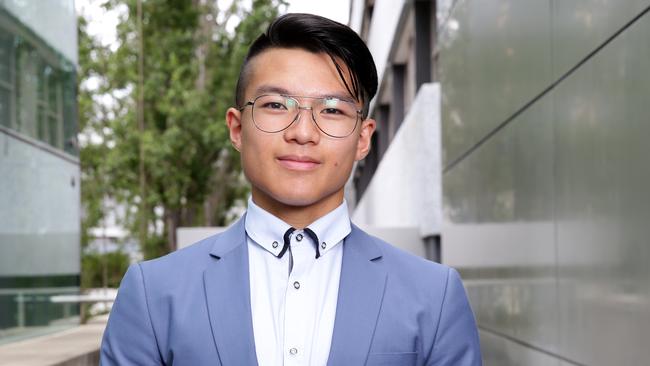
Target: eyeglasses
column 274, row 113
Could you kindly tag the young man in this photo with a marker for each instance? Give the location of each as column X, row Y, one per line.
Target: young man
column 294, row 282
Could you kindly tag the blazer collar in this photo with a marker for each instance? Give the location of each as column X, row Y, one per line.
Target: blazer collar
column 361, row 291
column 227, row 290
column 230, row 239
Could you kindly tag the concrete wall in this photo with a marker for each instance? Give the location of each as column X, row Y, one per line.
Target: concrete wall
column 405, row 189
column 186, row 236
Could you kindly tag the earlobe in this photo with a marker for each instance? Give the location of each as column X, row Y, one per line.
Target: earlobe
column 368, row 127
column 233, row 121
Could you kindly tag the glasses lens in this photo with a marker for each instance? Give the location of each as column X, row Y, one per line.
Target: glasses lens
column 272, row 113
column 335, row 117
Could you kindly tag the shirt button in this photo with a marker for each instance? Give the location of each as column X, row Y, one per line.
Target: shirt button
column 275, row 244
column 296, row 285
column 323, row 245
column 293, row 351
column 299, row 237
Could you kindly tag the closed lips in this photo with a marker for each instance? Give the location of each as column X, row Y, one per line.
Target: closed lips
column 298, row 162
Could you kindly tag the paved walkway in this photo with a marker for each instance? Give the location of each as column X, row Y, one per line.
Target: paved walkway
column 78, row 346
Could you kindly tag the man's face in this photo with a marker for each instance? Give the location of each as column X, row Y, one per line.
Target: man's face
column 299, row 166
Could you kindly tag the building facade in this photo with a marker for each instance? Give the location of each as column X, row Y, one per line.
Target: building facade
column 397, row 187
column 39, row 168
column 544, row 120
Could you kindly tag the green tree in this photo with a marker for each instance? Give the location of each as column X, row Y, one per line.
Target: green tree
column 103, row 269
column 191, row 59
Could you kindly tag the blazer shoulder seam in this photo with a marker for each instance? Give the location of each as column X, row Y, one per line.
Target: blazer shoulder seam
column 442, row 306
column 146, row 302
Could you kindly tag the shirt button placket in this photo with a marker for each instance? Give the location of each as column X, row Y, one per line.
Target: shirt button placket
column 294, row 306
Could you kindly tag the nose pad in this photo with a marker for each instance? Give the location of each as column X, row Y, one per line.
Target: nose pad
column 308, row 131
column 311, row 111
column 300, row 109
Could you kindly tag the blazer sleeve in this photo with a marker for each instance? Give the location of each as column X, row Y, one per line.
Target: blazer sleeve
column 129, row 338
column 456, row 341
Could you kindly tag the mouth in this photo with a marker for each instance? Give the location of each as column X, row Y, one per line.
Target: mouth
column 297, row 162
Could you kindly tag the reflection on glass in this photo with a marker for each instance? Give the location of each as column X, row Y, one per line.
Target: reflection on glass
column 30, row 311
column 41, row 84
column 39, row 208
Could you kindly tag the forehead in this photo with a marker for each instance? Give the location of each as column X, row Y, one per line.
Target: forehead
column 297, row 72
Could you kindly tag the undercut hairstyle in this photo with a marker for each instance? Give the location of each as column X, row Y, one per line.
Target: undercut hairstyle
column 316, row 34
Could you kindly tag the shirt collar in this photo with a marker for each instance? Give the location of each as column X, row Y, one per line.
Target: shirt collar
column 267, row 230
column 264, row 228
column 332, row 228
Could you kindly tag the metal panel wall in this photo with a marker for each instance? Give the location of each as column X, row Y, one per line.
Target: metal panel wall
column 546, row 206
column 494, row 59
column 603, row 203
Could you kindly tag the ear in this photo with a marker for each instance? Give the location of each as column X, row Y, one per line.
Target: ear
column 365, row 136
column 233, row 121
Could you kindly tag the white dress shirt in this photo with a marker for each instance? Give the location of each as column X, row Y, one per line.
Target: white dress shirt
column 293, row 298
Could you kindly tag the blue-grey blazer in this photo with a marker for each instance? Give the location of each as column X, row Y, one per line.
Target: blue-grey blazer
column 192, row 307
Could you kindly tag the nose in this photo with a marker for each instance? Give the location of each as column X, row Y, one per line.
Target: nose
column 303, row 130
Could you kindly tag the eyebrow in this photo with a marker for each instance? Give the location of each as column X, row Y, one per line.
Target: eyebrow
column 272, row 89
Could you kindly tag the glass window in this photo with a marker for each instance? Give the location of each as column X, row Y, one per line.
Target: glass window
column 44, row 92
column 6, row 54
column 69, row 111
column 5, row 107
column 39, row 232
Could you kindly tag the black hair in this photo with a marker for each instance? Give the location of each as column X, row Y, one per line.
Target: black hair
column 316, row 34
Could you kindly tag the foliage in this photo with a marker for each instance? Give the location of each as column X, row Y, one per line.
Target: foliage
column 191, row 62
column 94, row 264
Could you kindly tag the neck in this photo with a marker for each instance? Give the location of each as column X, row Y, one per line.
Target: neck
column 296, row 215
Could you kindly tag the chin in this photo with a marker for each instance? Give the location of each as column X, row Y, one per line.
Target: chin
column 297, row 199
column 301, row 195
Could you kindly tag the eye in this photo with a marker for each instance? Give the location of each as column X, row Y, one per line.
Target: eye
column 332, row 111
column 331, row 106
column 274, row 105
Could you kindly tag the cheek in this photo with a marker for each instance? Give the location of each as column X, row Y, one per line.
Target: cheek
column 344, row 161
column 251, row 151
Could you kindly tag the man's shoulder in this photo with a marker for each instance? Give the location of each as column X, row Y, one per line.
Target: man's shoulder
column 420, row 282
column 173, row 270
column 189, row 254
column 197, row 256
column 404, row 262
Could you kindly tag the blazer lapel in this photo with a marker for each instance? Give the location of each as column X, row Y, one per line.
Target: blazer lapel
column 227, row 291
column 361, row 290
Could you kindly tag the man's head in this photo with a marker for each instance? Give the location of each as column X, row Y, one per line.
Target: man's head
column 300, row 122
column 318, row 35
